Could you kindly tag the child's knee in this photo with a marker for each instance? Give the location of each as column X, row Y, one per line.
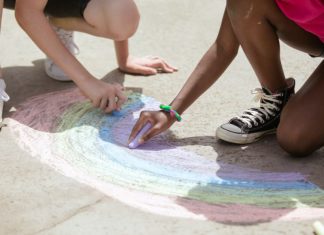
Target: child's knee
column 117, row 20
column 291, row 137
column 291, row 143
column 19, row 13
column 125, row 22
column 125, row 25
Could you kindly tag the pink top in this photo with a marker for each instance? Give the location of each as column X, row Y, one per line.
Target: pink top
column 308, row 14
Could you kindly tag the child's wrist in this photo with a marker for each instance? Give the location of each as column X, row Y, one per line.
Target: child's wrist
column 173, row 113
column 122, row 62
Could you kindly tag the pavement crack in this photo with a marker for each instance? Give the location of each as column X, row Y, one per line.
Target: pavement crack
column 78, row 211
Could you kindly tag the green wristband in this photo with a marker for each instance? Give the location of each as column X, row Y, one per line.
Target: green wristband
column 173, row 113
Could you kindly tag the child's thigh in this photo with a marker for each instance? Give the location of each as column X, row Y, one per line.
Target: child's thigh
column 291, row 33
column 109, row 16
column 259, row 11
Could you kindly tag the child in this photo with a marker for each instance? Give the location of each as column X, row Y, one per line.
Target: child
column 256, row 26
column 116, row 20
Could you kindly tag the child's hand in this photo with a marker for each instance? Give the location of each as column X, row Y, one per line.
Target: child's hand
column 159, row 120
column 107, row 97
column 148, row 65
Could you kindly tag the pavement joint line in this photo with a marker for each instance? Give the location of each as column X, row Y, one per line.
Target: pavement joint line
column 78, row 211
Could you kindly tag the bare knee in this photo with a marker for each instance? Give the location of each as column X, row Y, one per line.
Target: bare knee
column 126, row 23
column 293, row 142
column 291, row 136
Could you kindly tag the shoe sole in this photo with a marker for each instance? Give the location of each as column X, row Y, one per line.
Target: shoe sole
column 234, row 138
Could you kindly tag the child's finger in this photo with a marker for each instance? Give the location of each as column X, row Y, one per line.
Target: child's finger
column 150, row 134
column 111, row 104
column 146, row 70
column 103, row 103
column 170, row 66
column 161, row 65
column 96, row 102
column 136, row 129
column 122, row 98
column 161, row 60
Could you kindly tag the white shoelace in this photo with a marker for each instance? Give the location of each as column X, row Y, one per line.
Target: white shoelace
column 3, row 95
column 265, row 110
column 67, row 39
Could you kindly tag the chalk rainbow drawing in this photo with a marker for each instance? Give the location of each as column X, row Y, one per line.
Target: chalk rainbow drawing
column 62, row 130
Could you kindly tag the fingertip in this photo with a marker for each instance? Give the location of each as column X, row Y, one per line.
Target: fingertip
column 109, row 109
column 153, row 72
column 129, row 140
column 141, row 141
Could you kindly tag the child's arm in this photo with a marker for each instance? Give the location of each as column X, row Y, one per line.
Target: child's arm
column 30, row 16
column 209, row 69
column 144, row 66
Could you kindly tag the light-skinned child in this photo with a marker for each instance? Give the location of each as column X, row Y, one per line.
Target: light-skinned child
column 115, row 20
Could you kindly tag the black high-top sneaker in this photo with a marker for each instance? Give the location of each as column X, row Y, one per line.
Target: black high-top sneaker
column 255, row 123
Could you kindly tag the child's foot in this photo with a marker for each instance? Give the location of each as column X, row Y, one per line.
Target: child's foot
column 51, row 69
column 255, row 123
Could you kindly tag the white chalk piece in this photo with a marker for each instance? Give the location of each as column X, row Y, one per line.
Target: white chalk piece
column 318, row 227
column 3, row 97
column 134, row 144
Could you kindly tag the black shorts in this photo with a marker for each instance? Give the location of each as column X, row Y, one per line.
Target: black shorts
column 59, row 8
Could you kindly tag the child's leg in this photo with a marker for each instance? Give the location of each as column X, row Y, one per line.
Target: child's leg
column 258, row 24
column 301, row 129
column 116, row 20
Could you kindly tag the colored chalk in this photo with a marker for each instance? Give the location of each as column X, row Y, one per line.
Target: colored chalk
column 134, row 144
column 167, row 179
column 318, row 227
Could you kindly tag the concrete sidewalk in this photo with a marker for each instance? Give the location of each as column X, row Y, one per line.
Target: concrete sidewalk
column 35, row 199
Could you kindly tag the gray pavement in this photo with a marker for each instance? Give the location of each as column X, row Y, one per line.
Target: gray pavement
column 35, row 199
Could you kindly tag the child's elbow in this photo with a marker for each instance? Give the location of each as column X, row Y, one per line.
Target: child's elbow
column 25, row 14
column 21, row 15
